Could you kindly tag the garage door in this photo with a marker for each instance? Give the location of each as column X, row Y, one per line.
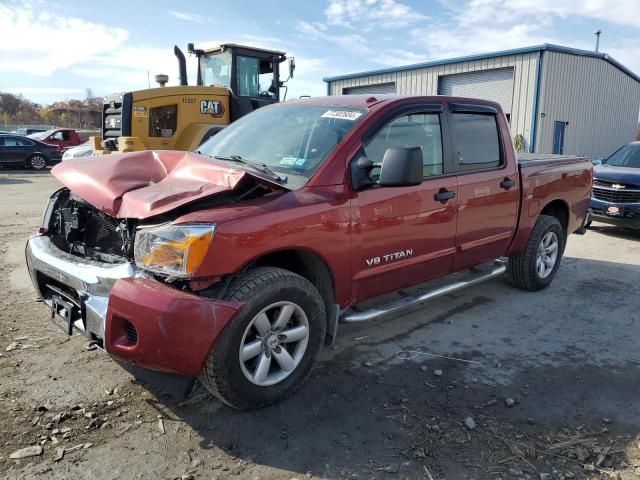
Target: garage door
column 495, row 85
column 366, row 89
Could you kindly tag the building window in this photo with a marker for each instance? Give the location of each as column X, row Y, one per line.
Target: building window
column 163, row 121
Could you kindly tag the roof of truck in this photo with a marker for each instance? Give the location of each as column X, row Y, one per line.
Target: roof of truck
column 224, row 46
column 367, row 101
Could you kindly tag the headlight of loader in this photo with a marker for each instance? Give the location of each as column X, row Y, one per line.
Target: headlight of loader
column 174, row 250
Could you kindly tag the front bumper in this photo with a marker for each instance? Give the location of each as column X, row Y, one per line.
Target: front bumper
column 630, row 217
column 139, row 320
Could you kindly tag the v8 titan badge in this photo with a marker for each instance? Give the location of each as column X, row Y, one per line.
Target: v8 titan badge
column 211, row 107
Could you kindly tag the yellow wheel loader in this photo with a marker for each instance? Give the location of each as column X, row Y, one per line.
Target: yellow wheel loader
column 232, row 81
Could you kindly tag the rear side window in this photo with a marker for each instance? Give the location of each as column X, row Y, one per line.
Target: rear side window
column 163, row 121
column 412, row 130
column 476, row 141
column 9, row 141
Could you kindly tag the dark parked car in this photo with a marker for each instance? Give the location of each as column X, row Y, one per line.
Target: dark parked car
column 19, row 151
column 615, row 198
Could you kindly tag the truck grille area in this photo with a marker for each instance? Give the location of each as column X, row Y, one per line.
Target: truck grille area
column 606, row 192
column 80, row 229
column 116, row 116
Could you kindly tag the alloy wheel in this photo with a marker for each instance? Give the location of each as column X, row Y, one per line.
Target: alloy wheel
column 274, row 343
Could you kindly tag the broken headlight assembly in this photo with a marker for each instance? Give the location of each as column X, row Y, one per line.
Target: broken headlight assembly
column 173, row 250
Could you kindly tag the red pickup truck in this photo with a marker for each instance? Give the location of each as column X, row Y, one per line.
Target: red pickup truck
column 62, row 138
column 234, row 264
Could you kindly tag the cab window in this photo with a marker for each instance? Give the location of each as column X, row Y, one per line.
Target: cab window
column 476, row 141
column 163, row 121
column 254, row 77
column 216, row 70
column 411, row 130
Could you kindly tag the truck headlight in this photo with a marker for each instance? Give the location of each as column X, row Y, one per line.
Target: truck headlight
column 174, row 250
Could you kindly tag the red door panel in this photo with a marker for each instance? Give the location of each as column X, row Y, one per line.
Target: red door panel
column 487, row 216
column 401, row 236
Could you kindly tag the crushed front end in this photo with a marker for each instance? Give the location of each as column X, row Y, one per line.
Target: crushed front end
column 82, row 266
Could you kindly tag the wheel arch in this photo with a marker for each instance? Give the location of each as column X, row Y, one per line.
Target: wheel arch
column 559, row 209
column 307, row 264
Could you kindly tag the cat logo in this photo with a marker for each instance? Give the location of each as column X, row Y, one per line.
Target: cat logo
column 211, row 107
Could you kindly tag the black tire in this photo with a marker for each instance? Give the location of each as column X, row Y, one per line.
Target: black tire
column 222, row 374
column 521, row 268
column 37, row 161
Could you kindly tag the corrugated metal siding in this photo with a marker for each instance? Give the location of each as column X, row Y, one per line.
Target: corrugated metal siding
column 599, row 101
column 424, row 81
column 374, row 88
column 495, row 85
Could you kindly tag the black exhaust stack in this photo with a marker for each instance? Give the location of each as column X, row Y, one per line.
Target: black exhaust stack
column 182, row 65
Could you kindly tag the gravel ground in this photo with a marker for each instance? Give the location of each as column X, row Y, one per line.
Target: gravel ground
column 540, row 385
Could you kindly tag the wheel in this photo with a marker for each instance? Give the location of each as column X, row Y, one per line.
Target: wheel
column 37, row 162
column 267, row 351
column 535, row 268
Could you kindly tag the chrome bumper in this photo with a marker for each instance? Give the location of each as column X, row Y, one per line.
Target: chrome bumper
column 91, row 280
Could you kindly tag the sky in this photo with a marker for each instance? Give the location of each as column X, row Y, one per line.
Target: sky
column 55, row 50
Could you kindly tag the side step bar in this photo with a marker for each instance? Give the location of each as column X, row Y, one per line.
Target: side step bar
column 353, row 317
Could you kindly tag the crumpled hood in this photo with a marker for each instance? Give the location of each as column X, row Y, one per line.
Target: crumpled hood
column 147, row 183
column 621, row 175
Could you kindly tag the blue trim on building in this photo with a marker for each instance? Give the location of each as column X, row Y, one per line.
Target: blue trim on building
column 534, row 105
column 515, row 51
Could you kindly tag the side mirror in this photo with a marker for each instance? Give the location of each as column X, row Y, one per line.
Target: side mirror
column 596, row 161
column 401, row 167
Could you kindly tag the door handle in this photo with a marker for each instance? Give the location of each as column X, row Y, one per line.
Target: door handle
column 507, row 183
column 444, row 195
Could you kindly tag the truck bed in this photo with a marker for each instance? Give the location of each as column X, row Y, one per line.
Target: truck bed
column 534, row 159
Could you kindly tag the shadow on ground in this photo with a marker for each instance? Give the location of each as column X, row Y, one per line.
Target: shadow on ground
column 612, row 231
column 13, row 181
column 355, row 419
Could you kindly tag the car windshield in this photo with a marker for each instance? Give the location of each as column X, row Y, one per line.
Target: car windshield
column 291, row 140
column 40, row 135
column 628, row 157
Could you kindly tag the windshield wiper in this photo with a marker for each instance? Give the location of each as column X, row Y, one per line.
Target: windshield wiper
column 260, row 167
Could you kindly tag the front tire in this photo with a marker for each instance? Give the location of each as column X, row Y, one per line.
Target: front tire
column 37, row 162
column 267, row 351
column 535, row 268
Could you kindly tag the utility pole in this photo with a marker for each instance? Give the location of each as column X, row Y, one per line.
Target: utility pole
column 597, row 34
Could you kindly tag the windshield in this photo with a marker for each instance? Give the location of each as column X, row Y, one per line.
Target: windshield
column 292, row 140
column 628, row 157
column 40, row 135
column 216, row 69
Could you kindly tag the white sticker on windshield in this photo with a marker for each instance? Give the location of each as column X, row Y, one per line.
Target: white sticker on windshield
column 342, row 115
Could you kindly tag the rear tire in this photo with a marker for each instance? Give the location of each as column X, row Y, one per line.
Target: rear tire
column 535, row 267
column 290, row 303
column 37, row 162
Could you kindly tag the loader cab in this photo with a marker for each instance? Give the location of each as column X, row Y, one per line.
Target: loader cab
column 250, row 74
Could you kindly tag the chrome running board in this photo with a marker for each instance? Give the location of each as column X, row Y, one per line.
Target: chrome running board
column 349, row 316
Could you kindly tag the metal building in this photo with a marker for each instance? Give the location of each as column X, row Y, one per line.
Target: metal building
column 559, row 99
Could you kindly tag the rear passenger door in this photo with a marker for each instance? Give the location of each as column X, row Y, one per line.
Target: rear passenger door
column 404, row 235
column 12, row 150
column 487, row 182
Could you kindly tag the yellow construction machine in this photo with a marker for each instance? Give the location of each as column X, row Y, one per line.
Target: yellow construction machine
column 232, row 81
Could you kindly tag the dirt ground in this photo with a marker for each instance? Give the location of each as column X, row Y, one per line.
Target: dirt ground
column 550, row 381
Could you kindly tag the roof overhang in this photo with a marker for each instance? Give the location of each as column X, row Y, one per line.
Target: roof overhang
column 516, row 51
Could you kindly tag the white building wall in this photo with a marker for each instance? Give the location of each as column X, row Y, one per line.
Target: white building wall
column 424, row 81
column 599, row 101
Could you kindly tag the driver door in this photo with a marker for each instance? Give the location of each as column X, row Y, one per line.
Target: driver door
column 405, row 235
